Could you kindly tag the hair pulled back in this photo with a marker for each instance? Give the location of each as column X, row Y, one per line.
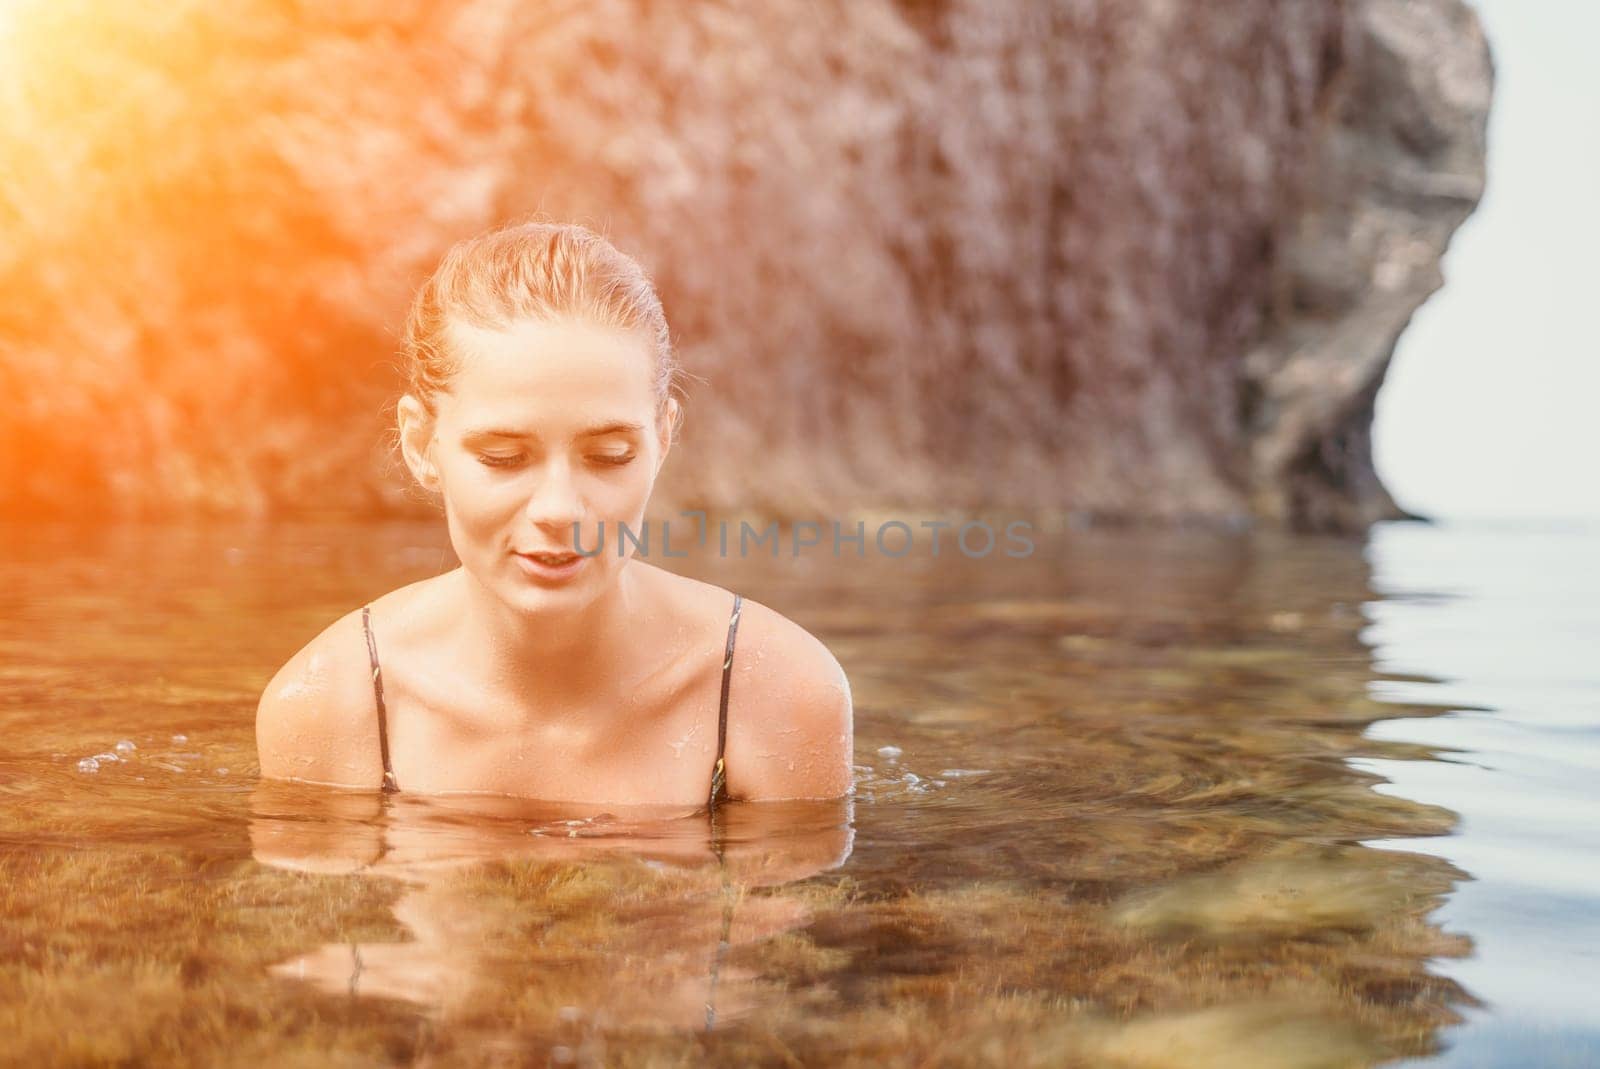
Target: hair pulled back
column 531, row 270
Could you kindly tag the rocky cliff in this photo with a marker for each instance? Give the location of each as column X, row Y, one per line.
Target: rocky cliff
column 1139, row 258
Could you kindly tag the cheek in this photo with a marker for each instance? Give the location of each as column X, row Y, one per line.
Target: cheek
column 624, row 497
column 467, row 530
column 476, row 509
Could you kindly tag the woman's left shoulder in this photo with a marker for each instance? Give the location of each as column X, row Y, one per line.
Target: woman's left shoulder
column 790, row 712
column 774, row 654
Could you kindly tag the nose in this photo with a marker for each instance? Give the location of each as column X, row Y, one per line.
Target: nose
column 555, row 504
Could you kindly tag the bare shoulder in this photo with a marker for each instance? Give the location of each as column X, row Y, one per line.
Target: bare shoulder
column 790, row 714
column 317, row 719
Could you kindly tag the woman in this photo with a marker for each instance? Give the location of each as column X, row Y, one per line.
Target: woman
column 540, row 410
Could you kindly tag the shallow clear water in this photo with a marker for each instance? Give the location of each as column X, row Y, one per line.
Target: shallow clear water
column 1143, row 799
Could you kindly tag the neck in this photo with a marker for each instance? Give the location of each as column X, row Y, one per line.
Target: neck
column 548, row 658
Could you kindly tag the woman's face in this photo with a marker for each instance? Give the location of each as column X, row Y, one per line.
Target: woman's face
column 547, row 424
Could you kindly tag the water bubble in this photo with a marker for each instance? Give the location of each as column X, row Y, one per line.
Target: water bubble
column 88, row 764
column 222, row 772
column 890, row 752
column 126, row 746
column 957, row 773
column 180, row 738
column 108, row 756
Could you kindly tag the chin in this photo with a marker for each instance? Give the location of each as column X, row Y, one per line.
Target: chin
column 533, row 595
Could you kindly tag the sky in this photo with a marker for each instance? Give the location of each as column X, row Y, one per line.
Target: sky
column 1491, row 407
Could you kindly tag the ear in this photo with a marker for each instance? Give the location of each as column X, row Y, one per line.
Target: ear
column 665, row 427
column 416, row 441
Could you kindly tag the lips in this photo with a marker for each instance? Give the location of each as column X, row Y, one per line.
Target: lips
column 554, row 566
column 555, row 559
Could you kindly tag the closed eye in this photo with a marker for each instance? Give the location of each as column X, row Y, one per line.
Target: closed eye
column 494, row 460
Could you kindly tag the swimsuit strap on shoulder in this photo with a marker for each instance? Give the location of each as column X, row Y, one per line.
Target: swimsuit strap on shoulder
column 719, row 784
column 719, row 779
column 389, row 783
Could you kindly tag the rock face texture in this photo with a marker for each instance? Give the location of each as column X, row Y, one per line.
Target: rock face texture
column 1140, row 258
column 1400, row 167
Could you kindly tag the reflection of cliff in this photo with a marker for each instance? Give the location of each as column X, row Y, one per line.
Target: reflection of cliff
column 1133, row 257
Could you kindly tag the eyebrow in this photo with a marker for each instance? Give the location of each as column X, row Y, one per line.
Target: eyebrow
column 617, row 427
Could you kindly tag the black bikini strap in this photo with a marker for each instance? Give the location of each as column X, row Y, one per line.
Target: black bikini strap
column 719, row 777
column 389, row 783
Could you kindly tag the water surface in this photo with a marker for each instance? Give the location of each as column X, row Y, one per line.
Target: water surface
column 1141, row 799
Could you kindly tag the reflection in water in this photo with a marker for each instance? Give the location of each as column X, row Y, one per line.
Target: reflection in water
column 1497, row 631
column 1107, row 815
column 569, row 926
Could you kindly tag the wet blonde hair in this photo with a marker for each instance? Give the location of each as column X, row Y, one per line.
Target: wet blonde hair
column 531, row 270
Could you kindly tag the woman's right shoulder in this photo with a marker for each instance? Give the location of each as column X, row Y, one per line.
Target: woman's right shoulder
column 317, row 719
